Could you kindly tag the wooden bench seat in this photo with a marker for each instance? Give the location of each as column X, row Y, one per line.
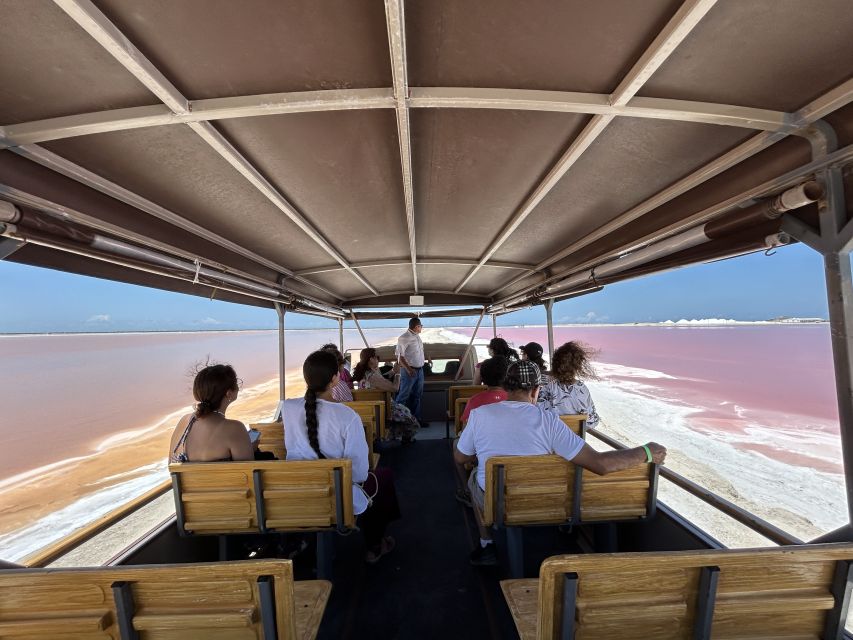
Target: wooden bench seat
column 785, row 592
column 272, row 437
column 226, row 498
column 374, row 395
column 549, row 490
column 453, row 393
column 255, row 599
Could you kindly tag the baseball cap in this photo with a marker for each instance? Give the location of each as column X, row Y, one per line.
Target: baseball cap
column 532, row 349
column 526, row 372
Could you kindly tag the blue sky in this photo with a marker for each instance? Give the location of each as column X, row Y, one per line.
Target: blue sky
column 754, row 287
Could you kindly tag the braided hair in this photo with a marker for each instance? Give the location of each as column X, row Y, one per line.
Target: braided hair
column 319, row 370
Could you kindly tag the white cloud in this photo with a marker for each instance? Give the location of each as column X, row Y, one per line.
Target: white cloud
column 209, row 320
column 101, row 317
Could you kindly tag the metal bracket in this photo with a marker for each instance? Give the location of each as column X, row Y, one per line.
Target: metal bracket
column 266, row 591
column 339, row 499
column 841, row 588
column 8, row 246
column 803, row 232
column 705, row 600
column 179, row 504
column 260, row 510
column 500, row 507
column 652, row 500
column 570, row 600
column 125, row 610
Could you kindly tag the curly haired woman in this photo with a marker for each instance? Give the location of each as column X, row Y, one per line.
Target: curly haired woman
column 565, row 393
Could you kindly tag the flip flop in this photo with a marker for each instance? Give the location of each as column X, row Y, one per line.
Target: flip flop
column 386, row 547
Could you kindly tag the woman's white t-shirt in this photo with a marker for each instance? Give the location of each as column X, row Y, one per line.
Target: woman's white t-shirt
column 340, row 433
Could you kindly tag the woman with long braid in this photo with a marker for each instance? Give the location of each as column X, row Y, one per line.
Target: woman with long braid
column 317, row 427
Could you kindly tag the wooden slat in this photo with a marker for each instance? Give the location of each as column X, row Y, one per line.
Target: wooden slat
column 461, row 391
column 206, row 601
column 764, row 593
column 218, row 525
column 196, row 620
column 522, row 598
column 272, row 438
column 575, row 422
column 458, row 410
column 310, row 598
column 214, row 496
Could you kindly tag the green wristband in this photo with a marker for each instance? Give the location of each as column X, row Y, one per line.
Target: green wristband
column 648, row 453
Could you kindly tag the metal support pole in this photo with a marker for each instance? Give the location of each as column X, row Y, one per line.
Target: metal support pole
column 839, row 292
column 280, row 310
column 468, row 348
column 494, row 325
column 549, row 318
column 341, row 334
column 358, row 326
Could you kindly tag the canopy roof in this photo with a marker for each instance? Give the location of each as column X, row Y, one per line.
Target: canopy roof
column 340, row 154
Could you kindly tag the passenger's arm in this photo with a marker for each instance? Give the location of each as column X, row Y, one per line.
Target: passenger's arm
column 238, row 441
column 464, row 450
column 478, row 379
column 606, row 462
column 377, row 381
column 406, row 365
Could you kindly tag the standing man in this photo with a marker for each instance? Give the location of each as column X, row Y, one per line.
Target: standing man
column 410, row 355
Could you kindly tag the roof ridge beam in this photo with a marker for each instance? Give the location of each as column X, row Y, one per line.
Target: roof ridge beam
column 97, row 25
column 801, row 119
column 211, row 109
column 677, row 29
column 394, row 262
column 396, row 26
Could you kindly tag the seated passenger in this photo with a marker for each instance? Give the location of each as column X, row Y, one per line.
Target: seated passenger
column 497, row 347
column 318, row 428
column 532, row 351
column 207, row 435
column 565, row 393
column 516, row 427
column 367, row 374
column 343, row 390
column 493, row 372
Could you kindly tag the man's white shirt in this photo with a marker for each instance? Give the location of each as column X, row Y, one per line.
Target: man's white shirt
column 511, row 428
column 411, row 347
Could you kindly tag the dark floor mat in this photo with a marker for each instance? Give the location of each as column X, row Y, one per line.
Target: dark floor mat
column 425, row 588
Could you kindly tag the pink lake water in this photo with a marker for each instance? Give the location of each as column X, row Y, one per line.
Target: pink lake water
column 777, row 379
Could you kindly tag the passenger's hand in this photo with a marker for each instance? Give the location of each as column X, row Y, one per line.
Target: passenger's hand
column 396, row 368
column 658, row 452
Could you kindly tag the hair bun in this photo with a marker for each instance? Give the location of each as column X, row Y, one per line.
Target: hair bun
column 205, row 405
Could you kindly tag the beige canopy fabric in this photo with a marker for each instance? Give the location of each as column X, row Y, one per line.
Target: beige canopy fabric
column 344, row 154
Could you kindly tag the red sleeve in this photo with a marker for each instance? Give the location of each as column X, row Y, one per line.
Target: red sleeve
column 472, row 404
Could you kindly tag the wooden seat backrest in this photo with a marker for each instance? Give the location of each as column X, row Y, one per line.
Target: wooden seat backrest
column 162, row 602
column 541, row 490
column 272, row 438
column 373, row 411
column 222, row 497
column 784, row 592
column 458, row 410
column 576, row 423
column 374, row 394
column 461, row 391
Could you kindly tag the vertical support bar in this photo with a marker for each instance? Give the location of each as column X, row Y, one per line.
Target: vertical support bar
column 266, row 591
column 577, row 494
column 494, row 325
column 468, row 348
column 841, row 587
column 339, row 499
column 223, row 548
column 839, row 293
column 515, row 551
column 652, row 501
column 179, row 504
column 549, row 318
column 358, row 326
column 570, row 601
column 341, row 335
column 260, row 510
column 706, row 597
column 125, row 610
column 500, row 507
column 280, row 310
column 325, row 554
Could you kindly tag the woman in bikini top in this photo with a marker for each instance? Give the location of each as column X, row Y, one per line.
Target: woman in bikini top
column 206, row 435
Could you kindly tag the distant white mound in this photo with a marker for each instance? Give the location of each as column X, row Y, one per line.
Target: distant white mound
column 708, row 321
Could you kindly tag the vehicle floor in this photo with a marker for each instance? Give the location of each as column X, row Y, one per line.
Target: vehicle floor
column 425, row 588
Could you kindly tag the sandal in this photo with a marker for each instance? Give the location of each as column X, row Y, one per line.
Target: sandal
column 387, row 546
